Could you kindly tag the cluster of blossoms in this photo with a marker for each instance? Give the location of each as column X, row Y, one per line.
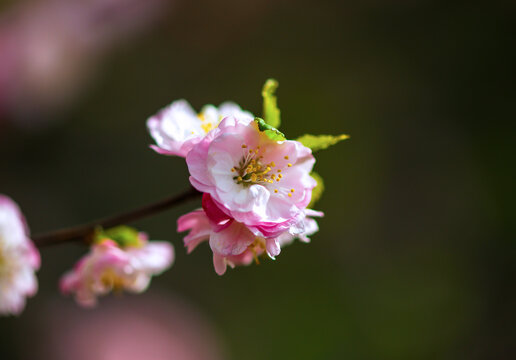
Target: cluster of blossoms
column 257, row 192
column 119, row 259
column 256, row 184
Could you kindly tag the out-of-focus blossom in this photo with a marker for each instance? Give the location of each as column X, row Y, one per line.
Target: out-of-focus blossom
column 50, row 49
column 177, row 128
column 232, row 242
column 19, row 259
column 262, row 183
column 156, row 326
column 111, row 267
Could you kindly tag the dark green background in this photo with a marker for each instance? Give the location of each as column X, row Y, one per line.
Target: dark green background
column 415, row 257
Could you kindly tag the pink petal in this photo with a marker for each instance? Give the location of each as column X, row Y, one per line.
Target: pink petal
column 219, row 264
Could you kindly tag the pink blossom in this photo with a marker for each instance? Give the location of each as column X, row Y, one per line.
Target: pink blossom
column 262, row 183
column 19, row 259
column 177, row 128
column 109, row 267
column 233, row 243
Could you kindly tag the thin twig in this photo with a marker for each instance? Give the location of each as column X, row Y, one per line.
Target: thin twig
column 83, row 231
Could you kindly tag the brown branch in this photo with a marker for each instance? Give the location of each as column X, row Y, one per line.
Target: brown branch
column 83, row 231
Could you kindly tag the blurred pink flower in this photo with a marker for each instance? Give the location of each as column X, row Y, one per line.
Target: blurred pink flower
column 109, row 267
column 177, row 128
column 155, row 326
column 19, row 259
column 262, row 183
column 51, row 49
column 233, row 243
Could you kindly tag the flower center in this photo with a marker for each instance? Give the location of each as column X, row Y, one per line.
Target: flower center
column 3, row 260
column 111, row 280
column 251, row 170
column 8, row 268
column 206, row 124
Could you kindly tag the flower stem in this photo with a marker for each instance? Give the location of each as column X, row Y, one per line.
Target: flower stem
column 83, row 231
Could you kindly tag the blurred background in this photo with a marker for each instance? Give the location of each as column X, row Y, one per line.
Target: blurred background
column 415, row 257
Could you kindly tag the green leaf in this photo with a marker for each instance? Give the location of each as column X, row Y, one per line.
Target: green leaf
column 122, row 235
column 271, row 113
column 318, row 190
column 320, row 142
column 271, row 132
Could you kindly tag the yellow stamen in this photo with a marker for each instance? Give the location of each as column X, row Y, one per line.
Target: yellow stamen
column 207, row 127
column 286, row 157
column 276, row 191
column 289, row 165
column 255, row 257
